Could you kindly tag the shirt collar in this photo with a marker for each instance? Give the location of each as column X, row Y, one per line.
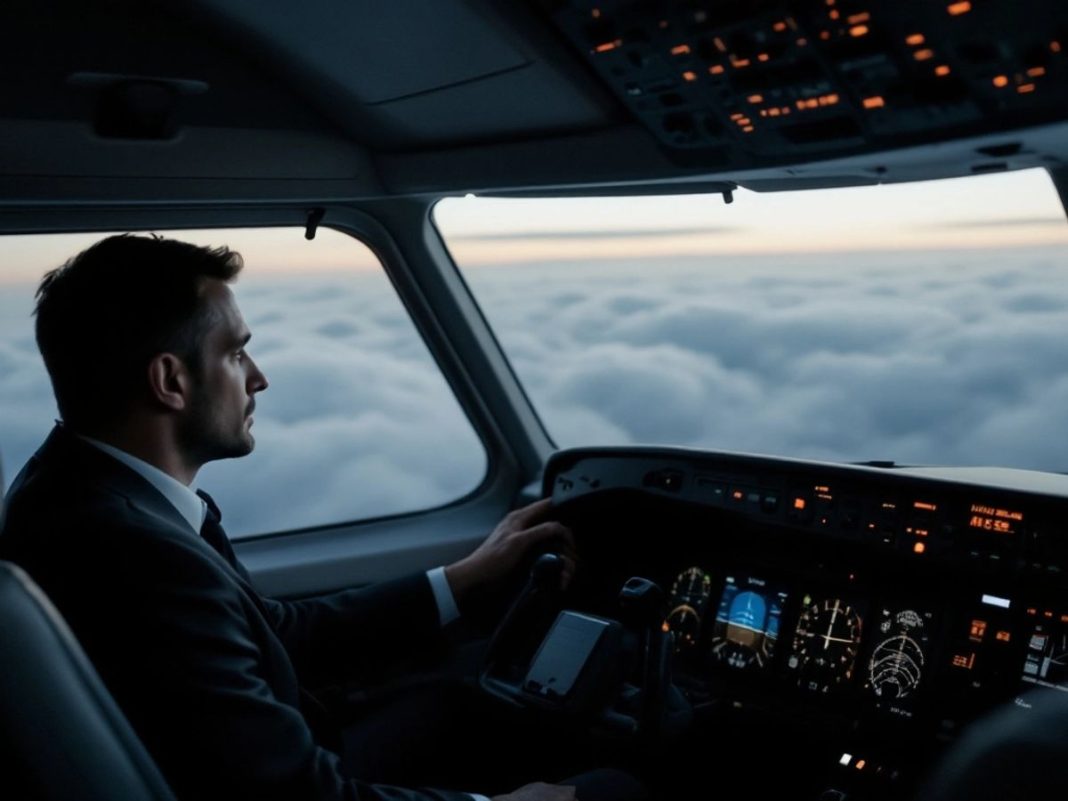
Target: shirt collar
column 184, row 499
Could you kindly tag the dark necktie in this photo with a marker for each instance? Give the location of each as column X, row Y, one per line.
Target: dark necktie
column 212, row 533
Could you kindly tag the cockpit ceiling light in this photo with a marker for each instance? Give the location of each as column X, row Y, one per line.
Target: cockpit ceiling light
column 956, row 9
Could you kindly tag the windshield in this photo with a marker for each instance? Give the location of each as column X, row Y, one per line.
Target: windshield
column 922, row 323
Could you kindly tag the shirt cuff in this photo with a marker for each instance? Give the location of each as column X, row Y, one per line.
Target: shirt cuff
column 447, row 609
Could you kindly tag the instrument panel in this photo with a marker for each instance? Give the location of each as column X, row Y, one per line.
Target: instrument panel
column 860, row 615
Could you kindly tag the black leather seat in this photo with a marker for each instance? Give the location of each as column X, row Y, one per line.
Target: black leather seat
column 61, row 734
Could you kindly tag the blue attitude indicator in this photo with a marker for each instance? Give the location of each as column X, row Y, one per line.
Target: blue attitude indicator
column 747, row 623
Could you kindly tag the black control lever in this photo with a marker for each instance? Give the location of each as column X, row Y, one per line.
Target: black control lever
column 536, row 599
column 642, row 605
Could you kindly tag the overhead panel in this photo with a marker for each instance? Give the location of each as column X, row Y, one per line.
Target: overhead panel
column 760, row 82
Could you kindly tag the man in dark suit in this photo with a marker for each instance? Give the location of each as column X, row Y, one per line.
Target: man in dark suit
column 145, row 347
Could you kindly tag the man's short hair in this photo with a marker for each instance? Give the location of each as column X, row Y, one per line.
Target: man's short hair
column 107, row 312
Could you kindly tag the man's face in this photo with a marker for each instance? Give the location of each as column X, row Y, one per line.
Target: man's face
column 219, row 420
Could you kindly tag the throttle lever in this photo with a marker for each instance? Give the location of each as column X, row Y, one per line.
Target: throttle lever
column 542, row 584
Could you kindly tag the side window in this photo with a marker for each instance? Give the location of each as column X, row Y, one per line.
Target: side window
column 357, row 421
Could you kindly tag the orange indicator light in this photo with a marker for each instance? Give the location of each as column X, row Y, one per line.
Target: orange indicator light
column 828, row 100
column 680, row 50
column 596, row 13
column 716, row 69
column 825, row 35
column 748, row 129
column 779, row 27
column 962, row 661
column 833, row 13
column 802, row 42
column 1055, row 47
column 720, row 46
column 763, row 57
column 860, row 764
column 664, row 627
column 737, row 116
column 956, row 9
column 942, row 70
column 755, row 98
column 1036, row 72
column 925, row 506
column 689, row 75
column 919, row 547
column 1001, row 81
column 763, row 112
column 923, row 55
column 978, row 630
column 799, row 503
column 1003, row 636
column 1048, row 613
column 744, row 121
column 915, row 39
column 1025, row 88
column 1032, row 611
column 773, row 112
column 856, row 19
column 874, row 102
column 607, row 46
column 738, row 63
column 858, row 30
column 738, row 494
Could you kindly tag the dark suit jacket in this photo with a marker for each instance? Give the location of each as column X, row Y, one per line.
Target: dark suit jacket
column 204, row 667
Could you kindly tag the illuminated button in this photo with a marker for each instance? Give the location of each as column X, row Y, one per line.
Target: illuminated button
column 978, row 630
column 956, row 9
column 1003, row 636
column 915, row 39
column 919, row 547
column 1001, row 81
column 799, row 504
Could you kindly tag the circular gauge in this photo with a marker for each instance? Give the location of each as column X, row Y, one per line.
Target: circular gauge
column 896, row 665
column 825, row 644
column 689, row 595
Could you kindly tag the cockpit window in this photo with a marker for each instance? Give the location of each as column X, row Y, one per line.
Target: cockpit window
column 922, row 323
column 355, row 401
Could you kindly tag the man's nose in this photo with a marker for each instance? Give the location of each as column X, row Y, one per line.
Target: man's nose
column 257, row 381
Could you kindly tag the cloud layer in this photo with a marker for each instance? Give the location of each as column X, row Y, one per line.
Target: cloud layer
column 936, row 358
column 940, row 358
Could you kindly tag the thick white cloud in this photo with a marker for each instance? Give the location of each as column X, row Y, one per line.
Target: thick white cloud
column 947, row 358
column 944, row 357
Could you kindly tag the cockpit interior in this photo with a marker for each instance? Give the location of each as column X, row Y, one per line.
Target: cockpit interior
column 799, row 577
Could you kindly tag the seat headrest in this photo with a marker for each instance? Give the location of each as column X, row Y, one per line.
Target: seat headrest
column 61, row 733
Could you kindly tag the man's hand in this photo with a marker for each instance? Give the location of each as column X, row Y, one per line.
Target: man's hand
column 539, row 791
column 506, row 546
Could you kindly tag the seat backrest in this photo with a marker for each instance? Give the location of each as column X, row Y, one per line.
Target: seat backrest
column 62, row 737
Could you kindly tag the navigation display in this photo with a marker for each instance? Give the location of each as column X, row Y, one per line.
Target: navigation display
column 899, row 658
column 747, row 623
column 1046, row 661
column 826, row 643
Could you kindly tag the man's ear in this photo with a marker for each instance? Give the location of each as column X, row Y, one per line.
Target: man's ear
column 169, row 381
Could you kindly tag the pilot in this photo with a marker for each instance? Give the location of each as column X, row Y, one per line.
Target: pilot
column 147, row 353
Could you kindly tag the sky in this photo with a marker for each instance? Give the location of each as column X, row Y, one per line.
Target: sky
column 924, row 326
